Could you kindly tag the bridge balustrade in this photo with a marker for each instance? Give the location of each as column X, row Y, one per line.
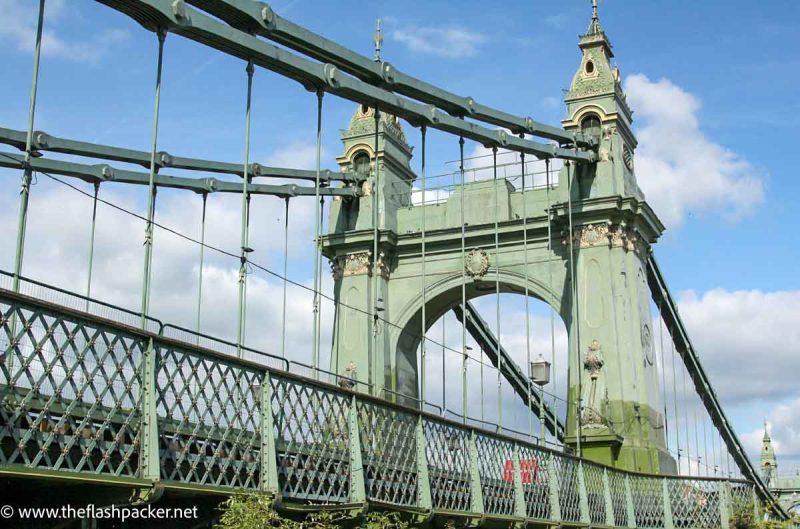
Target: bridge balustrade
column 84, row 397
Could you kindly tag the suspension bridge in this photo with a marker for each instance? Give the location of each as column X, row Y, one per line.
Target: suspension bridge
column 106, row 403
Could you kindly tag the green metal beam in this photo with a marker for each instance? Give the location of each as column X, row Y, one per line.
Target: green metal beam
column 261, row 19
column 106, row 173
column 177, row 18
column 44, row 142
column 480, row 332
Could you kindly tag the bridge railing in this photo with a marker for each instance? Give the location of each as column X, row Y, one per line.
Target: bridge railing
column 86, row 397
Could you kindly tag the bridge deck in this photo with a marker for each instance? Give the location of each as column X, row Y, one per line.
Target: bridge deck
column 81, row 395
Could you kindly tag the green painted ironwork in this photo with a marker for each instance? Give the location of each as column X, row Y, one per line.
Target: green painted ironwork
column 86, row 396
column 95, row 397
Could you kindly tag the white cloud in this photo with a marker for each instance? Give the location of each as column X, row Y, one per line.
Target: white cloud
column 748, row 341
column 784, row 429
column 18, row 20
column 432, row 196
column 678, row 167
column 57, row 251
column 451, row 42
column 297, row 155
column 479, row 165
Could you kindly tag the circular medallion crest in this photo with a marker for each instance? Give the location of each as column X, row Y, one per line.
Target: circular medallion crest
column 476, row 263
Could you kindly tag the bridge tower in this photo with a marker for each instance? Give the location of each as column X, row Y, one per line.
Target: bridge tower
column 620, row 390
column 606, row 309
column 769, row 463
column 356, row 352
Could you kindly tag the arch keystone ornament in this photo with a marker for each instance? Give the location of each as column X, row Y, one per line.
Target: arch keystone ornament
column 476, row 263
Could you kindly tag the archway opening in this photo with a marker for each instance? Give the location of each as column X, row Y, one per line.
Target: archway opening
column 490, row 398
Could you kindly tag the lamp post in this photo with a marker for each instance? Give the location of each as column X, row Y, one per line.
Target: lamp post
column 540, row 375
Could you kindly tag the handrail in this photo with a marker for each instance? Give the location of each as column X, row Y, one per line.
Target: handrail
column 217, row 340
column 87, row 300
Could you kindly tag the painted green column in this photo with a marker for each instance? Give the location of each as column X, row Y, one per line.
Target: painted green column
column 613, row 369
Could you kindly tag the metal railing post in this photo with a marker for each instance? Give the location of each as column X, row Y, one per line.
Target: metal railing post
column 520, row 507
column 269, row 455
column 552, row 486
column 610, row 521
column 669, row 522
column 149, row 460
column 424, row 500
column 476, row 496
column 358, row 489
column 629, row 510
column 583, row 497
column 724, row 504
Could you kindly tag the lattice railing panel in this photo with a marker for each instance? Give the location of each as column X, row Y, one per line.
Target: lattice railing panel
column 496, row 470
column 595, row 492
column 71, row 392
column 535, row 481
column 616, row 484
column 741, row 497
column 389, row 454
column 566, row 470
column 313, row 436
column 447, row 449
column 648, row 501
column 695, row 503
column 209, row 419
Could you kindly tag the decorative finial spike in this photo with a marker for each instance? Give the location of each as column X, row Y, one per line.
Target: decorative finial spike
column 378, row 40
column 594, row 9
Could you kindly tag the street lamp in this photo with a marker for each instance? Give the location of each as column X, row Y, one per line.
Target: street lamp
column 540, row 371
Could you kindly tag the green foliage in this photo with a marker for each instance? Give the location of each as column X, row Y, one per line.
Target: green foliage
column 252, row 511
column 255, row 511
column 742, row 518
column 385, row 520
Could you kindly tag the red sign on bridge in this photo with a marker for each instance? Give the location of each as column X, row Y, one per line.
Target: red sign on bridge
column 528, row 469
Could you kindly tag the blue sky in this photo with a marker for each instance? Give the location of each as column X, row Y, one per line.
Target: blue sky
column 712, row 84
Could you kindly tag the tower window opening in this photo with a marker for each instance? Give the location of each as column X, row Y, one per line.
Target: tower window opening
column 591, row 125
column 589, row 67
column 361, row 164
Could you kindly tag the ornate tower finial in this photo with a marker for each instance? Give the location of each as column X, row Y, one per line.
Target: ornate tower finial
column 378, row 40
column 594, row 9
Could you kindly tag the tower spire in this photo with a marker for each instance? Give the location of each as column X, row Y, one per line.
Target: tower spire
column 595, row 28
column 378, row 40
